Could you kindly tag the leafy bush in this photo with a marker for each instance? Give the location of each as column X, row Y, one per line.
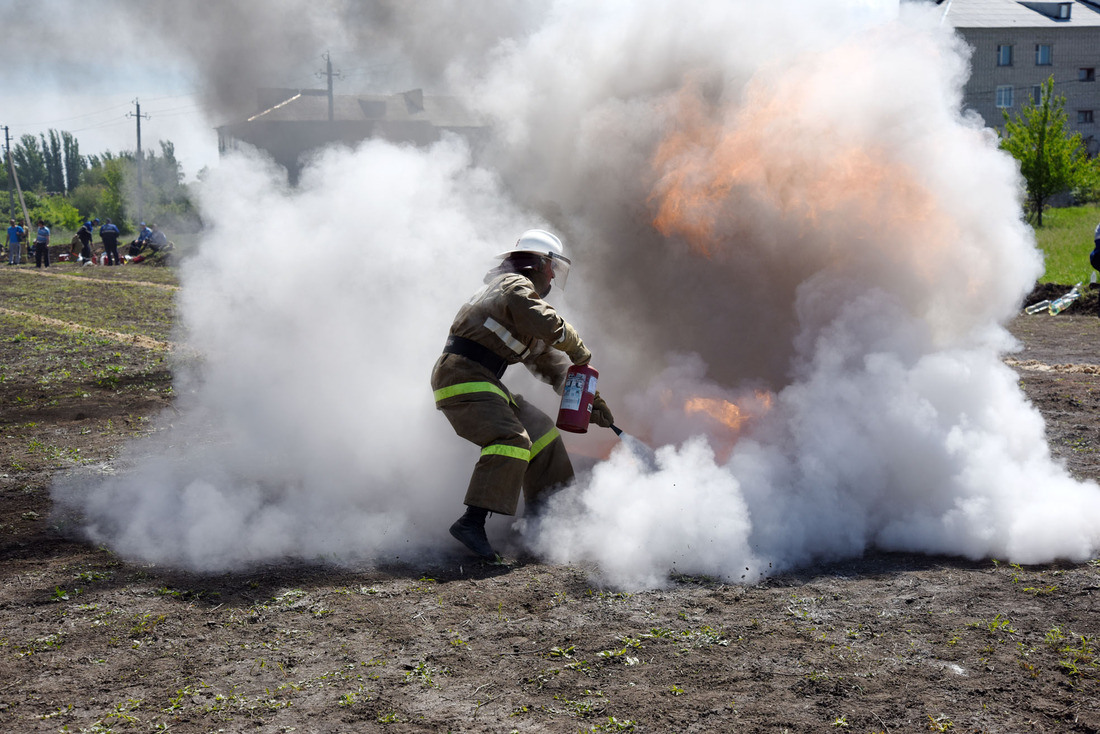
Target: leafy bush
column 57, row 211
column 87, row 200
column 1087, row 191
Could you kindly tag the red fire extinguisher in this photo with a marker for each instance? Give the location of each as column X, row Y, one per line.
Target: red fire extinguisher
column 576, row 398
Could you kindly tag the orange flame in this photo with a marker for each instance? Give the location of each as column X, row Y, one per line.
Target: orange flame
column 730, row 414
column 725, row 169
column 720, row 410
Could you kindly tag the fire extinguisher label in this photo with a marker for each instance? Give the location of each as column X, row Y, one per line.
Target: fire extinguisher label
column 592, row 385
column 572, row 392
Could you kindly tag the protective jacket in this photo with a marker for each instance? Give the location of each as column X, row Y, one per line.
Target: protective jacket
column 505, row 323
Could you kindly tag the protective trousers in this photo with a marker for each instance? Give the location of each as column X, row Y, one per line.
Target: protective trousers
column 520, row 449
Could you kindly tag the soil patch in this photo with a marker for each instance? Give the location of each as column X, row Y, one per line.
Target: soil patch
column 884, row 643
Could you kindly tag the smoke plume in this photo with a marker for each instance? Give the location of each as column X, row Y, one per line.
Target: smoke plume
column 794, row 256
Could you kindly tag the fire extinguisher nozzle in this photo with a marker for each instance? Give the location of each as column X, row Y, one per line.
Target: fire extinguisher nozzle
column 618, row 431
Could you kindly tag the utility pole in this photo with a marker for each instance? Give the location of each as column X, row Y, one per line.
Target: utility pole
column 141, row 199
column 330, row 74
column 7, row 157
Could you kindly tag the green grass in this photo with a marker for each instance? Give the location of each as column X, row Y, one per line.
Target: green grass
column 1066, row 241
column 94, row 300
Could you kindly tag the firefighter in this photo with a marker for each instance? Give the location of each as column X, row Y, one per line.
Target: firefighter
column 506, row 322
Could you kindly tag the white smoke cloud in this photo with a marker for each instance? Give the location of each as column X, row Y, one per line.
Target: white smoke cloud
column 307, row 427
column 885, row 229
column 794, row 257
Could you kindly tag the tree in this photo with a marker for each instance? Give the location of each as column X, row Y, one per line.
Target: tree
column 30, row 166
column 75, row 164
column 166, row 199
column 55, row 164
column 1051, row 160
column 112, row 200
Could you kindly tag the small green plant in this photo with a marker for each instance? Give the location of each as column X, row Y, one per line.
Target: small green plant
column 704, row 636
column 63, row 711
column 60, row 594
column 145, row 624
column 577, row 707
column 424, row 674
column 613, row 724
column 995, row 625
column 939, row 723
column 1041, row 590
column 676, row 690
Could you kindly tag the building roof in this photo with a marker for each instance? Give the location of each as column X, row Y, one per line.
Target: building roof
column 1020, row 14
column 300, row 105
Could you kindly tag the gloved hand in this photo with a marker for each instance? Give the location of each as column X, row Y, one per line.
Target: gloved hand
column 570, row 343
column 580, row 355
column 601, row 414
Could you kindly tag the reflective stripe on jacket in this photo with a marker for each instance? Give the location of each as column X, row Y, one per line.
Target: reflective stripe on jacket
column 510, row 319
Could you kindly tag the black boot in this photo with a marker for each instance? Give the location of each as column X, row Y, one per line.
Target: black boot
column 470, row 531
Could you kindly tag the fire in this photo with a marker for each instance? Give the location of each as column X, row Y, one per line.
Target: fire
column 730, row 414
column 720, row 410
column 779, row 153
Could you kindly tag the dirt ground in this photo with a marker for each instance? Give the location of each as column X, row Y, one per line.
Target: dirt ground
column 885, row 643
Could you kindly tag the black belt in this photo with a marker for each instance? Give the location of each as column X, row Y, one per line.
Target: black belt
column 470, row 349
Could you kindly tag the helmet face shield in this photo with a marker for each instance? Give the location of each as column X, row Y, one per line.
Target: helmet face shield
column 560, row 265
column 547, row 248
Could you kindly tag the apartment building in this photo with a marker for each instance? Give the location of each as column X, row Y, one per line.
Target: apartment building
column 1017, row 46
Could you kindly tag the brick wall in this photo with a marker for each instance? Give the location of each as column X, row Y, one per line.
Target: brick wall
column 1072, row 49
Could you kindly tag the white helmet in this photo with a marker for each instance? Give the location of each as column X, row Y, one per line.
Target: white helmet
column 541, row 242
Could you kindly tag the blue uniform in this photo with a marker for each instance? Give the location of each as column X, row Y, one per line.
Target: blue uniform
column 15, row 244
column 109, row 234
column 42, row 247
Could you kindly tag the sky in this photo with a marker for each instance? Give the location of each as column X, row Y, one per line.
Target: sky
column 157, row 53
column 96, row 103
column 794, row 258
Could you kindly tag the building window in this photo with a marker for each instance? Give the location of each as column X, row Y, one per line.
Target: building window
column 1086, row 75
column 1004, row 96
column 1063, row 11
column 1043, row 54
column 1036, row 95
column 1004, row 56
column 1084, row 117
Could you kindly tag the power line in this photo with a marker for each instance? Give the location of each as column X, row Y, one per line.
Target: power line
column 101, row 125
column 91, row 126
column 74, row 117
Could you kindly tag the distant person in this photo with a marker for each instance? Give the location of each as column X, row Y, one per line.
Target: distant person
column 28, row 243
column 85, row 235
column 139, row 243
column 1094, row 258
column 42, row 245
column 15, row 244
column 158, row 241
column 109, row 234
